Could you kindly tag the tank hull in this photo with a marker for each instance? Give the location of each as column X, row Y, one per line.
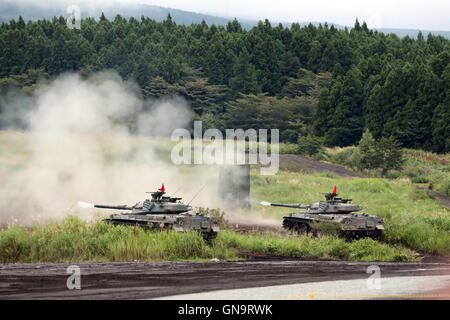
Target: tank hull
column 207, row 226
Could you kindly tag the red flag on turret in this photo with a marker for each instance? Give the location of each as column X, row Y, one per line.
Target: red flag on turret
column 334, row 190
column 162, row 188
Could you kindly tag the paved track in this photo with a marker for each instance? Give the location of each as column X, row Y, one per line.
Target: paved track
column 139, row 280
column 419, row 287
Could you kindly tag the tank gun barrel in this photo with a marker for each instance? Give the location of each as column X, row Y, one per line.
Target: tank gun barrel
column 294, row 205
column 121, row 207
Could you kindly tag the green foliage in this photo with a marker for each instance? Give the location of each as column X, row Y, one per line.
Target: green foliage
column 264, row 112
column 216, row 213
column 310, row 145
column 420, row 179
column 385, row 154
column 445, row 189
column 75, row 240
column 342, row 110
column 244, row 75
column 367, row 148
column 333, row 83
column 350, row 157
column 390, row 154
column 326, row 247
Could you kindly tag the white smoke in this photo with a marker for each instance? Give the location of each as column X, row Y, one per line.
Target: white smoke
column 166, row 115
column 79, row 148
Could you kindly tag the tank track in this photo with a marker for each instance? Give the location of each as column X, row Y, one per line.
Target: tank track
column 302, row 226
column 207, row 236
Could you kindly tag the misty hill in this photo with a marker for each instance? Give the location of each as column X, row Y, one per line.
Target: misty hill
column 10, row 11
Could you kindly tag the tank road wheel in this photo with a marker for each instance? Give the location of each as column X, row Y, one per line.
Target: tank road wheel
column 287, row 224
column 208, row 236
column 376, row 234
column 317, row 234
column 302, row 228
column 290, row 226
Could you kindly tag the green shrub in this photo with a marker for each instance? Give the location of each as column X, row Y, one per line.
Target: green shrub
column 419, row 179
column 286, row 148
column 343, row 157
column 310, row 145
column 216, row 213
column 414, row 172
column 393, row 175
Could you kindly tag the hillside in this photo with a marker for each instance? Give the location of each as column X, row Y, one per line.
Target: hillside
column 10, row 11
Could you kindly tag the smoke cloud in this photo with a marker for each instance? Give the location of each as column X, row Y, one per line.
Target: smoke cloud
column 79, row 147
column 87, row 142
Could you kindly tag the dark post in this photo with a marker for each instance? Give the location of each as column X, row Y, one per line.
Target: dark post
column 234, row 185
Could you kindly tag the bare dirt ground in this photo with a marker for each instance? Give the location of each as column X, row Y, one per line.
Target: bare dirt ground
column 442, row 199
column 445, row 201
column 144, row 280
column 296, row 162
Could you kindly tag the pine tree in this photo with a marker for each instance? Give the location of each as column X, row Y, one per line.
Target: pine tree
column 244, row 74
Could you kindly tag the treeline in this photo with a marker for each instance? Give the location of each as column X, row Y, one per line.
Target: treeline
column 303, row 80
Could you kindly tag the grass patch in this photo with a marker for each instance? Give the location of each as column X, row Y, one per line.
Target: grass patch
column 76, row 240
column 327, row 247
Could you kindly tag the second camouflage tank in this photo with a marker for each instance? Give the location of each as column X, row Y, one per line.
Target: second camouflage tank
column 162, row 212
column 334, row 215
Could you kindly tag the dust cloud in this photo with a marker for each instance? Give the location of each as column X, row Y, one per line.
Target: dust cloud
column 88, row 139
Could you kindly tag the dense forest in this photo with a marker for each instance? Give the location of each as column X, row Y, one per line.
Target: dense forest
column 307, row 80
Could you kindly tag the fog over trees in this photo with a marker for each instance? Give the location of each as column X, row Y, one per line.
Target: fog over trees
column 305, row 81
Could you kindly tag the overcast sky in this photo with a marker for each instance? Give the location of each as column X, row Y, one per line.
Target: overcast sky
column 414, row 14
column 417, row 14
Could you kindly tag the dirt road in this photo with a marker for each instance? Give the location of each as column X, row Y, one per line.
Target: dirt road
column 300, row 163
column 139, row 280
column 445, row 201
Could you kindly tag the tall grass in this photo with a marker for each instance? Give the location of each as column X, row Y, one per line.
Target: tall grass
column 327, row 247
column 76, row 240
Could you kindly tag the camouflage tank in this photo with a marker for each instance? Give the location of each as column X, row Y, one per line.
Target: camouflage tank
column 334, row 215
column 162, row 212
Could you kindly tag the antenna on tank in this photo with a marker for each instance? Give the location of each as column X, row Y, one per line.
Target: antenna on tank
column 197, row 193
column 173, row 194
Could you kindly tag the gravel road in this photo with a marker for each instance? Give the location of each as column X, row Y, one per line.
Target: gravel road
column 146, row 280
